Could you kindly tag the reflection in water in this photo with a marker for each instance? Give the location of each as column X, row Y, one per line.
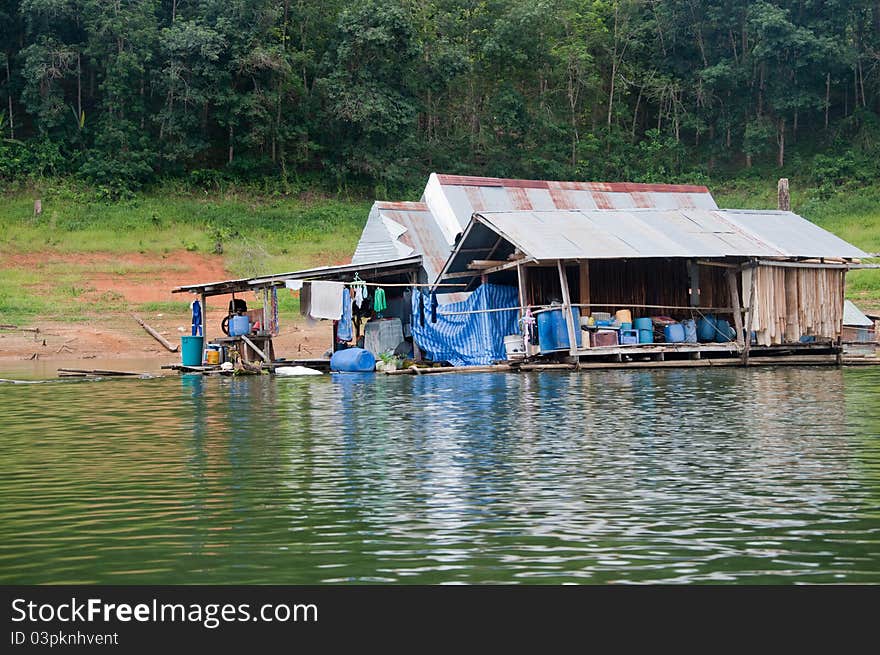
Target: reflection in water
column 768, row 475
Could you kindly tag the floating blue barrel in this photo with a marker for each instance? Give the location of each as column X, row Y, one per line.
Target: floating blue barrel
column 646, row 336
column 706, row 327
column 690, row 330
column 239, row 325
column 724, row 332
column 353, row 360
column 553, row 332
column 643, row 324
column 674, row 333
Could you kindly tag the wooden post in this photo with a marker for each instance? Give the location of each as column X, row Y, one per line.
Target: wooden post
column 566, row 310
column 737, row 310
column 417, row 352
column 204, row 325
column 792, row 332
column 750, row 315
column 783, row 197
column 584, row 282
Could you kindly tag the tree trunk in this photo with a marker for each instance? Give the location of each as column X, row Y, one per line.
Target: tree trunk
column 780, row 155
column 9, row 86
column 827, row 97
column 231, row 151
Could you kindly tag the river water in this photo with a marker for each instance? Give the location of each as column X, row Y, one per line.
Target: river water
column 768, row 475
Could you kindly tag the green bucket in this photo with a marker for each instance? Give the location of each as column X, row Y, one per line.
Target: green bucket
column 191, row 350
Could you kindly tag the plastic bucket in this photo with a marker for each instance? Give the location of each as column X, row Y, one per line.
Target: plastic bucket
column 514, row 347
column 623, row 316
column 674, row 333
column 643, row 324
column 212, row 356
column 646, row 336
column 191, row 350
column 690, row 330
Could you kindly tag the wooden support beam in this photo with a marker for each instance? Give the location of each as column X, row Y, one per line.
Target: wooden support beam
column 737, row 310
column 584, row 283
column 479, row 264
column 204, row 326
column 566, row 310
column 750, row 316
column 254, row 348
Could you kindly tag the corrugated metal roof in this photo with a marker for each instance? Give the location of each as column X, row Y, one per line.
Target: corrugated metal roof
column 453, row 199
column 399, row 229
column 642, row 233
column 853, row 316
column 343, row 270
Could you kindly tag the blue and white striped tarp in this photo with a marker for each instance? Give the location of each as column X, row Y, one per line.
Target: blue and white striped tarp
column 467, row 339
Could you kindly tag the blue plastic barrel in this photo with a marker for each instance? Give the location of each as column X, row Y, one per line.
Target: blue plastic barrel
column 690, row 330
column 626, row 326
column 706, row 328
column 646, row 336
column 239, row 325
column 643, row 324
column 674, row 333
column 353, row 360
column 191, row 350
column 553, row 332
column 547, row 332
column 723, row 331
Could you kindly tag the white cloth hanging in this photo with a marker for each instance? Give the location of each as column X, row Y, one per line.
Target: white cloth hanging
column 326, row 300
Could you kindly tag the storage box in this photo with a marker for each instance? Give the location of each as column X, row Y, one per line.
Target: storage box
column 629, row 336
column 603, row 338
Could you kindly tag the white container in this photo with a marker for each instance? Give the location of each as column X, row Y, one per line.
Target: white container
column 514, row 346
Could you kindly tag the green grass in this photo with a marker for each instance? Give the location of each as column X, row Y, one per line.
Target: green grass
column 259, row 235
column 263, row 235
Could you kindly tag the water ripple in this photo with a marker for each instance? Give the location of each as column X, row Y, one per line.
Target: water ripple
column 755, row 476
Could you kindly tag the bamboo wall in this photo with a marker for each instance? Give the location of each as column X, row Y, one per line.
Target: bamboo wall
column 791, row 302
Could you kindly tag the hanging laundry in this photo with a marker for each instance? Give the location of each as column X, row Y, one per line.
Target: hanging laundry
column 196, row 307
column 344, row 328
column 379, row 304
column 294, row 285
column 421, row 309
column 358, row 294
column 434, row 306
column 326, row 300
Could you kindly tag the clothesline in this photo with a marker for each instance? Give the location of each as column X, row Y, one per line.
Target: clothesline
column 380, row 284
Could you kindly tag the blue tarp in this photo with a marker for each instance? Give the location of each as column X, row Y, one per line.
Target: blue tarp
column 467, row 339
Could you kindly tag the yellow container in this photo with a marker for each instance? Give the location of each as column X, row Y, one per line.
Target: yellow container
column 212, row 356
column 623, row 316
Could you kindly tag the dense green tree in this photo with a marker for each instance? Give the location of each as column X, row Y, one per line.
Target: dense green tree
column 123, row 92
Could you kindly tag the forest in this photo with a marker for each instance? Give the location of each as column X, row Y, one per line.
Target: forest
column 376, row 93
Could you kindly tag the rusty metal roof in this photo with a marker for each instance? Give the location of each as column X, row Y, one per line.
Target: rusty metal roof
column 646, row 233
column 453, row 199
column 401, row 229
